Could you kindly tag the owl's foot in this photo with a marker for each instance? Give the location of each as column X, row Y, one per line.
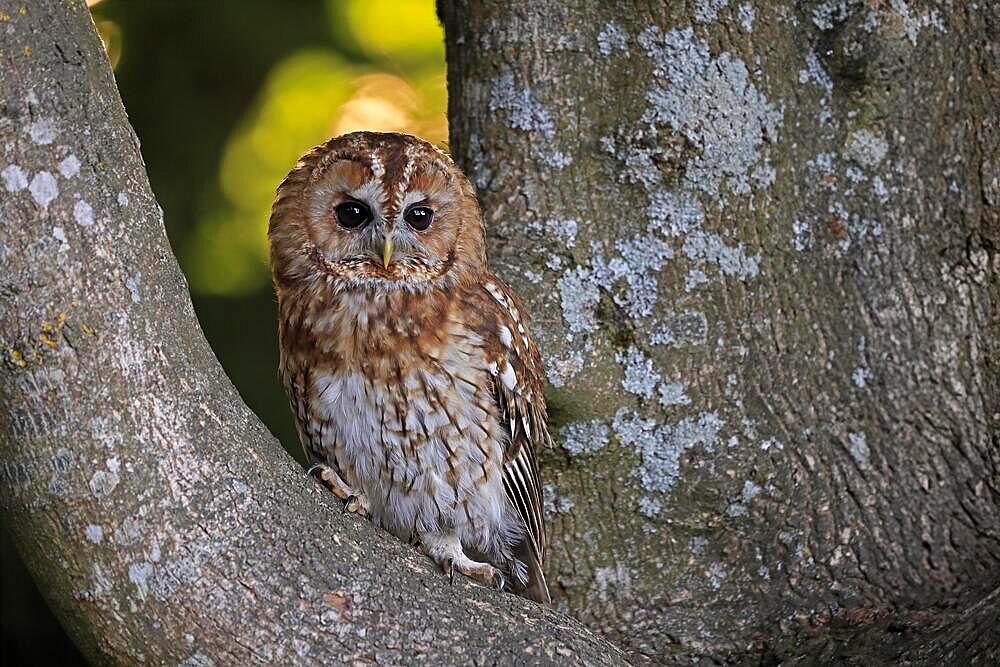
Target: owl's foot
column 447, row 552
column 356, row 505
column 331, row 479
column 485, row 572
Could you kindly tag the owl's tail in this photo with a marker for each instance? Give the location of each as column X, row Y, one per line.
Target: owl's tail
column 529, row 580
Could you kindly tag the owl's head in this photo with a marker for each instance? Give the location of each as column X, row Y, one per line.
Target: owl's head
column 372, row 209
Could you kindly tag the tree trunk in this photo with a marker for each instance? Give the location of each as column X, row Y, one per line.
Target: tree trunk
column 758, row 242
column 160, row 519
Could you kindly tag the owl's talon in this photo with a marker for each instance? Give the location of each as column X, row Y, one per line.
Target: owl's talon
column 355, row 505
column 447, row 551
column 331, row 479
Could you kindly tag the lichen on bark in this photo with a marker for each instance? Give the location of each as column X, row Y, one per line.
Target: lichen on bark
column 773, row 320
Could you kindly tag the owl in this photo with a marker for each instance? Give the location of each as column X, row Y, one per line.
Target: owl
column 415, row 385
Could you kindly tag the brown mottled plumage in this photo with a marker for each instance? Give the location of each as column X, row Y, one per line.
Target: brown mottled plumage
column 415, row 385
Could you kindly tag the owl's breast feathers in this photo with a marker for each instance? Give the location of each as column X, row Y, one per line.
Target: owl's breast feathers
column 474, row 336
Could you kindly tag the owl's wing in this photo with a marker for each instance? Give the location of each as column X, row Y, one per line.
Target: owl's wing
column 518, row 388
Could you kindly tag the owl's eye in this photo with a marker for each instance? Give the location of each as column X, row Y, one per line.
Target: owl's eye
column 352, row 214
column 419, row 217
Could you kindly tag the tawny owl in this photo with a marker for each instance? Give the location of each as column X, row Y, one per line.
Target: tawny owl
column 415, row 384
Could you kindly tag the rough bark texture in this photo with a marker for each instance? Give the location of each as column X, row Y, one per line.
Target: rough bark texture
column 758, row 241
column 161, row 520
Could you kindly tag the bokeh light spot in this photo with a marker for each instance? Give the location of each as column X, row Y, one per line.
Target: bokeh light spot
column 308, row 97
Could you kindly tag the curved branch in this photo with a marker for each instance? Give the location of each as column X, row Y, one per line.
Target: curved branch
column 160, row 518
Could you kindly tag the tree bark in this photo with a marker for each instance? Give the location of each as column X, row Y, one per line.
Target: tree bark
column 161, row 520
column 758, row 242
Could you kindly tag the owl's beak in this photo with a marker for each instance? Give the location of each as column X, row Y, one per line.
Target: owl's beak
column 386, row 252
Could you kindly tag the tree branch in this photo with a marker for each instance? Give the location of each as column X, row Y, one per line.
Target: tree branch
column 160, row 518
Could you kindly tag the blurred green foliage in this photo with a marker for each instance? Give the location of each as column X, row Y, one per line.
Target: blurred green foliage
column 381, row 67
column 386, row 72
column 224, row 96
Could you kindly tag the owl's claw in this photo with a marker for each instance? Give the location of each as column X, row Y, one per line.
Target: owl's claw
column 450, row 556
column 355, row 505
column 331, row 479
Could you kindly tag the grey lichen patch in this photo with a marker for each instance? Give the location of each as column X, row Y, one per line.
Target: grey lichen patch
column 563, row 231
column 555, row 503
column 698, row 545
column 612, row 38
column 609, row 579
column 741, row 508
column 815, row 73
column 858, row 446
column 680, row 215
column 555, row 159
column 523, row 109
column 94, row 533
column 14, row 178
column 672, row 393
column 706, row 11
column 640, row 375
column 83, row 214
column 650, row 507
column 197, row 660
column 639, row 260
column 560, row 368
column 105, row 430
column 660, row 446
column 104, row 482
column 639, row 159
column 70, row 166
column 674, row 213
column 714, row 104
column 584, row 437
column 101, row 581
column 139, row 574
column 643, row 379
column 802, row 237
column 629, row 275
column 913, row 23
column 857, row 227
column 771, row 443
column 701, row 246
column 132, row 283
column 43, row 131
column 694, row 278
column 687, row 328
column 717, row 574
column 746, row 17
column 867, row 148
column 43, row 189
column 131, row 532
column 828, row 14
column 579, row 296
